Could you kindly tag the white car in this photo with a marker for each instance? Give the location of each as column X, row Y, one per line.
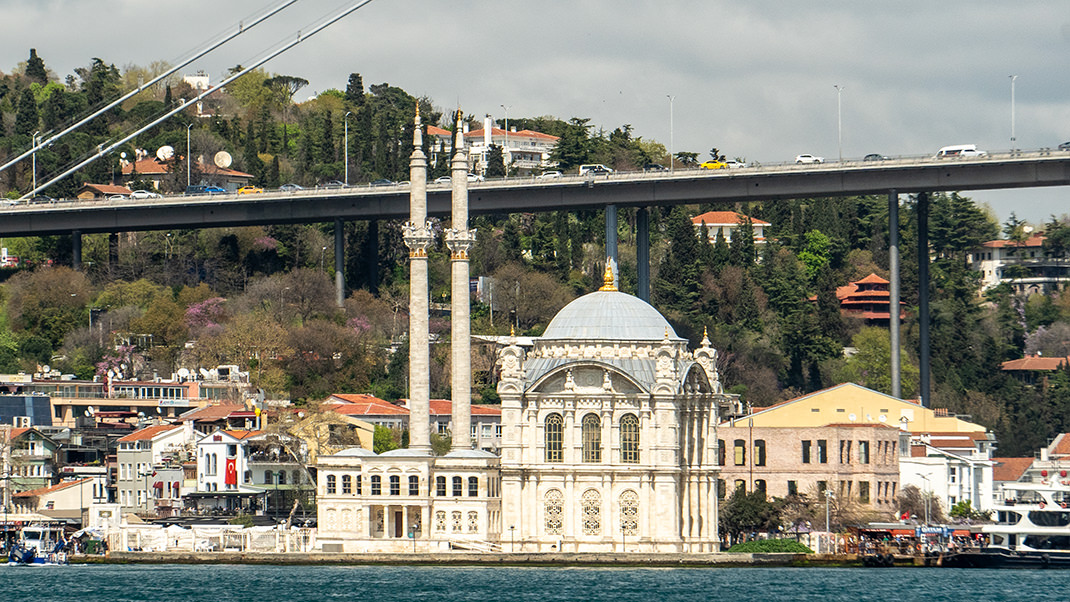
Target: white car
column 144, row 194
column 809, row 159
column 548, row 175
column 733, row 164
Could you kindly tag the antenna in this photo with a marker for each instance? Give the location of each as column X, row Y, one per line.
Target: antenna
column 222, row 159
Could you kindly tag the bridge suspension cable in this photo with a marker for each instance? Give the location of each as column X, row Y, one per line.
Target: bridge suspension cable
column 51, row 139
column 101, row 151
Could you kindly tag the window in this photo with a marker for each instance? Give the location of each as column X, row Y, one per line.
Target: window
column 232, row 450
column 592, row 438
column 555, row 427
column 806, row 451
column 722, row 489
column 739, row 452
column 553, row 509
column 473, row 486
column 720, row 452
column 822, row 451
column 845, row 452
column 347, row 485
column 629, row 439
column 377, row 485
column 282, row 477
column 458, row 484
column 440, row 486
column 822, row 486
column 358, row 480
column 759, row 452
column 591, row 510
column 395, row 485
column 414, row 485
column 629, row 513
column 267, row 477
column 863, row 452
column 863, row 492
column 759, row 485
column 793, row 488
column 741, row 486
column 952, row 475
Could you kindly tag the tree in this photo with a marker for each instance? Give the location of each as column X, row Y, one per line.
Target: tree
column 747, row 512
column 574, row 147
column 355, row 90
column 26, row 118
column 495, row 162
column 35, row 68
column 870, row 366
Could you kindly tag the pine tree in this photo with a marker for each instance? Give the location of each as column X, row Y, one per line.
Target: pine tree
column 26, row 118
column 35, row 68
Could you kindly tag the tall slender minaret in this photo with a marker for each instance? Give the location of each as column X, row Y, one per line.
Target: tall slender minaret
column 417, row 236
column 459, row 239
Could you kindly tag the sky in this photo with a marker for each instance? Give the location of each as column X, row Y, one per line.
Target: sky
column 756, row 79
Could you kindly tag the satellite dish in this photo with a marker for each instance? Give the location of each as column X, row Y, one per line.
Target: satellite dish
column 852, row 417
column 883, row 418
column 46, row 368
column 87, row 414
column 122, row 155
column 165, row 152
column 223, row 159
column 159, row 410
column 141, row 414
column 91, row 410
column 183, row 372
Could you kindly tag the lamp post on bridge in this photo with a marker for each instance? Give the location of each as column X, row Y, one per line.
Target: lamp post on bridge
column 671, row 98
column 839, row 118
column 34, row 160
column 1013, row 141
column 189, row 156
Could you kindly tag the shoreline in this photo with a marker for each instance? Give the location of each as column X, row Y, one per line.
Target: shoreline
column 721, row 559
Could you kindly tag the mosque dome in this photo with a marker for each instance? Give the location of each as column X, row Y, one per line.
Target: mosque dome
column 609, row 314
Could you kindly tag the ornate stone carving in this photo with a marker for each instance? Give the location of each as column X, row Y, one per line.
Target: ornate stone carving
column 417, row 238
column 459, row 242
column 706, row 357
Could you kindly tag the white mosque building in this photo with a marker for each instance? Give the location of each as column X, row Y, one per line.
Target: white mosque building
column 609, row 438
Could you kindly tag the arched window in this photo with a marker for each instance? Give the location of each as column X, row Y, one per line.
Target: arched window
column 592, row 438
column 395, row 485
column 553, row 509
column 592, row 512
column 473, row 486
column 458, row 486
column 358, row 479
column 759, row 485
column 629, row 513
column 347, row 484
column 414, row 485
column 629, row 439
column 720, row 452
column 555, row 429
column 268, row 477
column 282, row 477
column 331, row 484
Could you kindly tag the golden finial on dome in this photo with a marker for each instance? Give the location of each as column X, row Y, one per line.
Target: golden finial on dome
column 607, row 277
column 512, row 331
column 705, row 334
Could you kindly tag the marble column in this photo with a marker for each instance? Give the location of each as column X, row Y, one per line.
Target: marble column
column 417, row 235
column 459, row 239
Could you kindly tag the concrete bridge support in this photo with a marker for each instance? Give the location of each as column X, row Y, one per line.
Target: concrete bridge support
column 611, row 242
column 893, row 288
column 642, row 253
column 76, row 250
column 923, row 298
column 339, row 263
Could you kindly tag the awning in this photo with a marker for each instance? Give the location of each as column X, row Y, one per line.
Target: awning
column 961, row 532
column 174, row 487
column 908, row 532
column 157, row 485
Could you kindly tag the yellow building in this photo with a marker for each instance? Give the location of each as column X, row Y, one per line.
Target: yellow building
column 850, row 403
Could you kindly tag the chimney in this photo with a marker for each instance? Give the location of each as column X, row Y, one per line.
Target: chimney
column 488, row 125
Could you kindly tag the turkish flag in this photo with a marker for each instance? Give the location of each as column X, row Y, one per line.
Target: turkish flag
column 232, row 472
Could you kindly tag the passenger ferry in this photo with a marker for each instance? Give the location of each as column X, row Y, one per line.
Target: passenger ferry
column 1031, row 529
column 39, row 543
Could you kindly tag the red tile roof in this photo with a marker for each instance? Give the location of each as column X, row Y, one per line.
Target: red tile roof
column 50, row 489
column 441, row 407
column 360, row 404
column 478, row 134
column 1010, row 469
column 1061, row 446
column 1033, row 362
column 153, row 166
column 106, row 188
column 872, row 279
column 243, row 434
column 712, row 218
column 211, row 413
column 437, row 131
column 150, row 432
column 1036, row 240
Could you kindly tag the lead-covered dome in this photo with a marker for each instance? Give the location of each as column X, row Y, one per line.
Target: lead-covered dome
column 609, row 314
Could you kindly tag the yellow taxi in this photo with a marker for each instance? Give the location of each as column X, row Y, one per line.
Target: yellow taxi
column 713, row 165
column 250, row 190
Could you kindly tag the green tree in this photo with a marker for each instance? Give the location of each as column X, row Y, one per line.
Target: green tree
column 27, row 118
column 574, row 147
column 35, row 68
column 870, row 366
column 495, row 162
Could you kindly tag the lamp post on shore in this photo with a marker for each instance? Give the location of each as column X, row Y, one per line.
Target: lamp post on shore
column 828, row 530
column 512, row 546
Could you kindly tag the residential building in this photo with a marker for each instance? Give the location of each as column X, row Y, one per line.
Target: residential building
column 1025, row 265
column 155, row 170
column 1034, row 369
column 955, row 467
column 250, row 471
column 485, row 426
column 869, row 299
column 149, row 466
column 33, row 459
column 523, row 152
column 64, row 500
column 100, row 191
column 859, row 463
column 725, row 224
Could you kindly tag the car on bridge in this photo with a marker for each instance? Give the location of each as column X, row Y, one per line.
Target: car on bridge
column 549, row 175
column 596, row 169
column 733, row 164
column 1065, row 146
column 331, row 184
column 959, row 150
column 204, row 189
column 874, row 157
column 250, row 190
column 808, row 159
column 713, row 165
column 290, row 188
column 382, row 182
column 144, row 194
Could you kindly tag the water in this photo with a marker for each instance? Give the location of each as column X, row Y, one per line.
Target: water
column 231, row 583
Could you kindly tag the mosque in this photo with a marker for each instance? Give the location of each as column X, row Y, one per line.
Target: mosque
column 609, row 436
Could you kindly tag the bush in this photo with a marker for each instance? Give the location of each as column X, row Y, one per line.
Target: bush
column 770, row 546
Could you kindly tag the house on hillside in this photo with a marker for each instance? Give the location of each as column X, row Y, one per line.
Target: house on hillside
column 101, row 191
column 869, row 299
column 1026, row 265
column 726, row 223
column 1034, row 369
column 523, row 151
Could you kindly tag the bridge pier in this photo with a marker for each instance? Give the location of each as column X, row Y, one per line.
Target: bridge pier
column 339, row 263
column 76, row 250
column 611, row 242
column 642, row 253
column 893, row 288
column 923, row 298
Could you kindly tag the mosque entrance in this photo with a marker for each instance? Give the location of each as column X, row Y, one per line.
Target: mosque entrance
column 399, row 524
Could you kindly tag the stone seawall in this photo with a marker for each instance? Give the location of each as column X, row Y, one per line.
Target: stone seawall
column 476, row 559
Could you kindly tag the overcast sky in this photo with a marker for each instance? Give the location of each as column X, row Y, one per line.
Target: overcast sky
column 754, row 78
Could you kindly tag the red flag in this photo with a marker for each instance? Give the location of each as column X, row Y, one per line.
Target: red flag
column 232, row 472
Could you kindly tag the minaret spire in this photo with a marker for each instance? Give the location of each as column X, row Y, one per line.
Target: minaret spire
column 459, row 239
column 417, row 235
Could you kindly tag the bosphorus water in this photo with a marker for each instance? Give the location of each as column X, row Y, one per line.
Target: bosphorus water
column 240, row 583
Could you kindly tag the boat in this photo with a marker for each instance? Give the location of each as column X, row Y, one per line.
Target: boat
column 39, row 544
column 1031, row 530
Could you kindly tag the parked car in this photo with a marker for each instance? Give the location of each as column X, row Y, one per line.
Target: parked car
column 713, row 165
column 596, row 169
column 383, row 182
column 144, row 194
column 42, row 199
column 1065, row 146
column 548, row 175
column 874, row 157
column 733, row 164
column 809, row 159
column 290, row 188
column 204, row 189
column 332, row 184
column 250, row 190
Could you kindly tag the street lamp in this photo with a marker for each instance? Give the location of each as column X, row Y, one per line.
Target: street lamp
column 926, row 497
column 839, row 120
column 512, row 547
column 323, row 251
column 412, row 536
column 506, row 149
column 1013, row 77
column 146, row 473
column 345, row 121
column 189, row 156
column 275, row 513
column 671, row 149
column 34, row 160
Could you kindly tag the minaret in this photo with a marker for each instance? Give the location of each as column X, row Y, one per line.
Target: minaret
column 417, row 235
column 459, row 239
